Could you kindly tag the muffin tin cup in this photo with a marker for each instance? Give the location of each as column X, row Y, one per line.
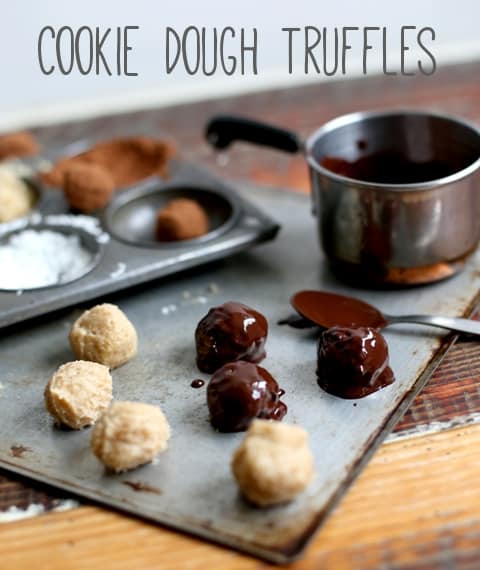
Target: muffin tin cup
column 89, row 242
column 131, row 216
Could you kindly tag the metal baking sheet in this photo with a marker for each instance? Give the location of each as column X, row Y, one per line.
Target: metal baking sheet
column 123, row 264
column 190, row 487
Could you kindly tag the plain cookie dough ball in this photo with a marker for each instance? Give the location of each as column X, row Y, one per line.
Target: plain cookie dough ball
column 274, row 463
column 105, row 335
column 78, row 393
column 16, row 197
column 130, row 434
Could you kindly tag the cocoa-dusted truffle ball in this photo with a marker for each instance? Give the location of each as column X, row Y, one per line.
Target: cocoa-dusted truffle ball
column 88, row 187
column 240, row 392
column 181, row 219
column 353, row 362
column 17, row 144
column 230, row 332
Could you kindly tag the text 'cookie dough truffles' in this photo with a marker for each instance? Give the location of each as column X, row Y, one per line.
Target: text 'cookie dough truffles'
column 104, row 334
column 78, row 393
column 229, row 332
column 273, row 464
column 130, row 434
column 240, row 392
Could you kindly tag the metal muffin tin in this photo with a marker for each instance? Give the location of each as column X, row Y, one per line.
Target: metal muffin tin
column 131, row 218
column 127, row 253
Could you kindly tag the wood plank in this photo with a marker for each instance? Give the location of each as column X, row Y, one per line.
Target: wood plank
column 416, row 505
column 452, row 396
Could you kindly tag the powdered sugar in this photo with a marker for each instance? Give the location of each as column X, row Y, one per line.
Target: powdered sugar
column 86, row 223
column 37, row 255
column 38, row 258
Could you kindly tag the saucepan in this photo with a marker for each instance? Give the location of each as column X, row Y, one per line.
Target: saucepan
column 396, row 193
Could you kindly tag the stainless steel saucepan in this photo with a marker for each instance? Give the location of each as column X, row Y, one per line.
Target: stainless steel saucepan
column 399, row 232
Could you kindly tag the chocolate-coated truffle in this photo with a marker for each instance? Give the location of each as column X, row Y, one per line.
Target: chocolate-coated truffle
column 240, row 392
column 181, row 219
column 353, row 362
column 230, row 332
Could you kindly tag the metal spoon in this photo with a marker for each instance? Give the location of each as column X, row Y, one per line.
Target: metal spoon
column 329, row 309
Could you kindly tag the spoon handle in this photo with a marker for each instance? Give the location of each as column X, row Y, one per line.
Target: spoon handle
column 458, row 325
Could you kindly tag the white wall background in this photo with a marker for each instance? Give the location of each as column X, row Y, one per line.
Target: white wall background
column 28, row 97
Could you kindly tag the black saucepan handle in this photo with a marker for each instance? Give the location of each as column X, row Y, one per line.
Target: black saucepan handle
column 222, row 130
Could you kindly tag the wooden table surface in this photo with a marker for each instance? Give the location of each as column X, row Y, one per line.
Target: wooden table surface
column 416, row 506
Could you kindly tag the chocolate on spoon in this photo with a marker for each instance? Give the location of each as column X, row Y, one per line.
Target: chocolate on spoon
column 329, row 310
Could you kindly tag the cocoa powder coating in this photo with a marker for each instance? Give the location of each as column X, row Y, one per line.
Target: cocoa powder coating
column 181, row 219
column 128, row 160
column 17, row 144
column 88, row 186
